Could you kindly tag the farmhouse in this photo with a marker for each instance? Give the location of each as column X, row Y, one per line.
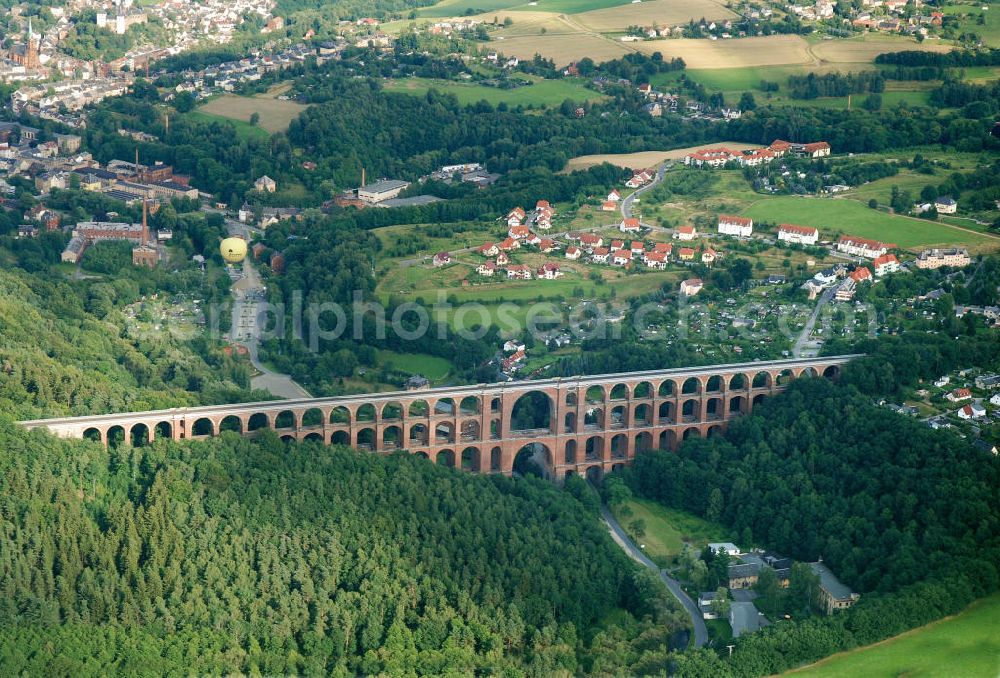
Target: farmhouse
column 664, row 247
column 382, row 190
column 547, row 245
column 686, row 233
column 691, row 287
column 802, row 235
column 630, row 225
column 946, row 205
column 502, row 259
column 885, row 264
column 741, row 227
column 862, row 247
column 956, row 258
column 637, row 247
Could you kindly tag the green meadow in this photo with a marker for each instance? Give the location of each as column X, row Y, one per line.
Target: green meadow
column 540, row 93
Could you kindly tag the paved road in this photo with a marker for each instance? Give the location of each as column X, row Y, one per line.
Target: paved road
column 824, row 299
column 623, row 540
column 627, row 203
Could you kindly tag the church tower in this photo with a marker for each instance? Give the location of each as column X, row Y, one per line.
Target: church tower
column 31, row 59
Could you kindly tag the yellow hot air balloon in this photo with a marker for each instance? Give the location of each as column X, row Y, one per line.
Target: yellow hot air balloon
column 234, row 250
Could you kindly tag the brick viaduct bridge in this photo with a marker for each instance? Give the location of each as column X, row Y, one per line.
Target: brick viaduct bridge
column 587, row 425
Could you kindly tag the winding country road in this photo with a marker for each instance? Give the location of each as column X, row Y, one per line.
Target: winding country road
column 627, row 545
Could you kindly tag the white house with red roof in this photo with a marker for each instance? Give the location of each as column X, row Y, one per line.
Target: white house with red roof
column 533, row 239
column 573, row 253
column 609, row 206
column 515, row 216
column 519, row 232
column 600, row 255
column 885, row 264
column 518, row 272
column 542, row 205
column 657, row 260
column 861, row 274
column 802, row 235
column 972, row 411
column 489, row 249
column 548, row 271
column 487, row 269
column 637, row 247
column 617, row 244
column 959, row 394
column 547, row 245
column 442, row 258
column 511, row 362
column 629, row 225
column 664, row 247
column 502, row 260
column 591, row 240
column 622, row 258
column 755, row 158
column 509, row 244
column 709, row 256
column 686, row 233
column 712, row 157
column 614, row 195
column 863, row 247
column 739, row 227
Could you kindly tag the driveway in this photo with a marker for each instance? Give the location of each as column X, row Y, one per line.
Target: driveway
column 627, row 545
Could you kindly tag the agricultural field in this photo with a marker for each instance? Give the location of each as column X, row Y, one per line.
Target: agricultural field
column 644, row 158
column 540, row 93
column 243, row 128
column 833, row 215
column 275, row 114
column 864, row 49
column 562, row 48
column 988, row 31
column 772, row 50
column 964, row 645
column 657, row 12
column 666, row 530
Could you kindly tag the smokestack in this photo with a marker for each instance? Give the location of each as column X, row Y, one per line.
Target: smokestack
column 362, row 177
column 166, row 124
column 145, row 225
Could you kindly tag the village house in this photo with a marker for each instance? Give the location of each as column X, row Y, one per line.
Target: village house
column 959, row 394
column 664, row 247
column 533, row 239
column 862, row 247
column 589, row 240
column 802, row 235
column 657, row 260
column 548, row 271
column 600, row 255
column 622, row 258
column 637, row 247
column 518, row 272
column 861, row 274
column 743, row 575
column 265, row 185
column 502, row 259
column 972, row 411
column 515, row 216
column 519, row 232
column 708, row 256
column 617, row 245
column 489, row 249
column 573, row 253
column 935, row 258
column 885, row 264
column 686, row 233
column 712, row 157
column 509, row 244
column 685, row 254
column 609, row 206
column 740, row 227
column 511, row 362
column 755, row 158
column 547, row 245
column 614, row 195
column 846, row 290
column 691, row 287
column 630, row 225
column 945, row 205
column 442, row 259
column 487, row 269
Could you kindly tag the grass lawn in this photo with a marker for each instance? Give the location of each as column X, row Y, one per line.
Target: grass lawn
column 540, row 93
column 989, row 31
column 430, row 366
column 965, row 645
column 243, row 129
column 719, row 631
column 275, row 114
column 832, row 215
column 667, row 529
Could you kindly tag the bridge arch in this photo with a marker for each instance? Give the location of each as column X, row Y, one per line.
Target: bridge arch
column 365, row 413
column 469, row 406
column 785, row 377
column 594, row 450
column 714, row 408
column 202, row 427
column 419, row 435
column 642, row 415
column 284, row 420
column 643, row 442
column 667, row 413
column 762, row 380
column 667, row 388
column 532, row 411
column 692, row 386
column 392, row 437
column 715, row 384
column 444, row 406
column 446, row 458
column 444, row 432
column 314, row 437
column 392, row 411
column 312, row 418
column 116, row 436
column 668, row 440
column 163, row 429
column 258, row 421
column 570, row 452
column 496, row 460
column 366, row 439
column 739, row 382
column 340, row 415
column 619, row 446
column 643, row 390
column 139, row 435
column 231, row 423
column 419, row 408
column 618, row 392
column 692, row 432
column 595, row 395
column 341, row 438
column 94, row 434
column 534, row 459
column 832, row 372
column 595, row 475
column 470, row 459
column 619, row 416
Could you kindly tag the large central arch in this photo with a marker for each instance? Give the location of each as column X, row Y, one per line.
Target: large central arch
column 534, row 459
column 532, row 411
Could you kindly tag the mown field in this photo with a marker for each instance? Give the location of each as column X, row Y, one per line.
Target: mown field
column 275, row 115
column 430, row 366
column 666, row 530
column 540, row 93
column 832, row 215
column 644, row 158
column 964, row 646
column 989, row 30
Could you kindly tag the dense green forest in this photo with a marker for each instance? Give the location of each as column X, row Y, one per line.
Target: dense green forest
column 257, row 556
column 64, row 350
column 902, row 513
